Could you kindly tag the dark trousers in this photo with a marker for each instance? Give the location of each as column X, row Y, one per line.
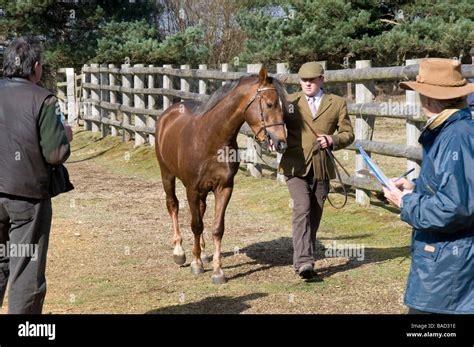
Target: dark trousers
column 24, row 229
column 308, row 195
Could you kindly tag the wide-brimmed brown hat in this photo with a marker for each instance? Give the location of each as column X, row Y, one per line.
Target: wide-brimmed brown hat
column 441, row 79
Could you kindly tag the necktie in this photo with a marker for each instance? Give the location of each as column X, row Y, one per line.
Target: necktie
column 312, row 105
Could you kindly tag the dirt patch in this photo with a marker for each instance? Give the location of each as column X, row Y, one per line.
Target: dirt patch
column 111, row 251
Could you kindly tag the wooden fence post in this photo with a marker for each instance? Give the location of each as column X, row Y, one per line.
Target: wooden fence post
column 62, row 94
column 282, row 68
column 224, row 68
column 183, row 81
column 167, row 84
column 94, row 91
column 254, row 151
column 139, row 102
column 413, row 128
column 364, row 126
column 95, row 99
column 71, row 97
column 78, row 95
column 151, row 120
column 126, row 101
column 104, row 96
column 113, row 100
column 85, row 95
column 202, row 83
column 324, row 63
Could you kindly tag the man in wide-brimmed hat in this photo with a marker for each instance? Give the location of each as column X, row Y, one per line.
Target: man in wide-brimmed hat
column 440, row 204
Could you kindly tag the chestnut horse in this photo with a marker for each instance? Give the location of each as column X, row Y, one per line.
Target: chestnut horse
column 190, row 139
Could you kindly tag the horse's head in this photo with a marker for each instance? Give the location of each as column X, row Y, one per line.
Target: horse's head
column 264, row 112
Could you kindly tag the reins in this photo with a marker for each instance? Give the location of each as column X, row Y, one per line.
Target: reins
column 318, row 148
column 324, row 169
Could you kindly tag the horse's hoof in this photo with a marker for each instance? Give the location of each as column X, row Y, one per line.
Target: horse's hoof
column 218, row 279
column 179, row 259
column 205, row 259
column 196, row 269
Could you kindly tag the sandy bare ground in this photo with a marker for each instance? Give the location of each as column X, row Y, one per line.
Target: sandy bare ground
column 111, row 252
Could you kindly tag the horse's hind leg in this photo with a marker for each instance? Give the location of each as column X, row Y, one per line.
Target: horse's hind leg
column 172, row 204
column 202, row 210
column 197, row 227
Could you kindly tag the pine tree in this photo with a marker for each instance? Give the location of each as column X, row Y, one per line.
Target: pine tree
column 341, row 31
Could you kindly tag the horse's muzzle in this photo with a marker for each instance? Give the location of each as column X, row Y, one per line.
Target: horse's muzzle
column 281, row 146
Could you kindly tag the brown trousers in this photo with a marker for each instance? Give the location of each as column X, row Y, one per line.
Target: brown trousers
column 308, row 195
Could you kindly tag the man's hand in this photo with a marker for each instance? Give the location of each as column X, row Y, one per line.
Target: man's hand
column 68, row 131
column 398, row 190
column 325, row 140
column 403, row 184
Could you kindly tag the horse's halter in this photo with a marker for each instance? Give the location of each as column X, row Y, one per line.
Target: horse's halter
column 264, row 126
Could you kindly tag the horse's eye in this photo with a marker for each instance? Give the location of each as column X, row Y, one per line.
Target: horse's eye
column 269, row 105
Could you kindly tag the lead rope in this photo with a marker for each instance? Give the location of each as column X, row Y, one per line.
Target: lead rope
column 324, row 169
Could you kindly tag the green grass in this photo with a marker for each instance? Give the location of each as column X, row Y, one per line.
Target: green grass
column 258, row 222
column 263, row 199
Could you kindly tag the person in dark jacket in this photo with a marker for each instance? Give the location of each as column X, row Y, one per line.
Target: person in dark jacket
column 439, row 204
column 33, row 145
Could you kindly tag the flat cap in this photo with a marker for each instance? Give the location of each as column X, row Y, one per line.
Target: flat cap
column 311, row 70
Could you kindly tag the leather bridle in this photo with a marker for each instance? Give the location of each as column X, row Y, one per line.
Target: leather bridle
column 263, row 126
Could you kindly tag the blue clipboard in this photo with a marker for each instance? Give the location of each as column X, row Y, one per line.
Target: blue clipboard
column 384, row 181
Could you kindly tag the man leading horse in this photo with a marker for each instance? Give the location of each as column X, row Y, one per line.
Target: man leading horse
column 313, row 118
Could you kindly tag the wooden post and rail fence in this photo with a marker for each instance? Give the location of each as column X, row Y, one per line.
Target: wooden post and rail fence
column 126, row 101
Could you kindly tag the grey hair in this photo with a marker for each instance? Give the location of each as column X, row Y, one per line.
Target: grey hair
column 20, row 57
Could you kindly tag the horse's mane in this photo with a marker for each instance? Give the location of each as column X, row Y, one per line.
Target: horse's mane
column 280, row 88
column 226, row 89
column 218, row 95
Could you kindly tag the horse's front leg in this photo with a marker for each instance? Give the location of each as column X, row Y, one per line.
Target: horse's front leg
column 222, row 197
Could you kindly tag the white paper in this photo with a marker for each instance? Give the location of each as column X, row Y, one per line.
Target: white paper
column 374, row 168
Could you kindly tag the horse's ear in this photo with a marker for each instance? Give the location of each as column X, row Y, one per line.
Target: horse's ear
column 263, row 76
